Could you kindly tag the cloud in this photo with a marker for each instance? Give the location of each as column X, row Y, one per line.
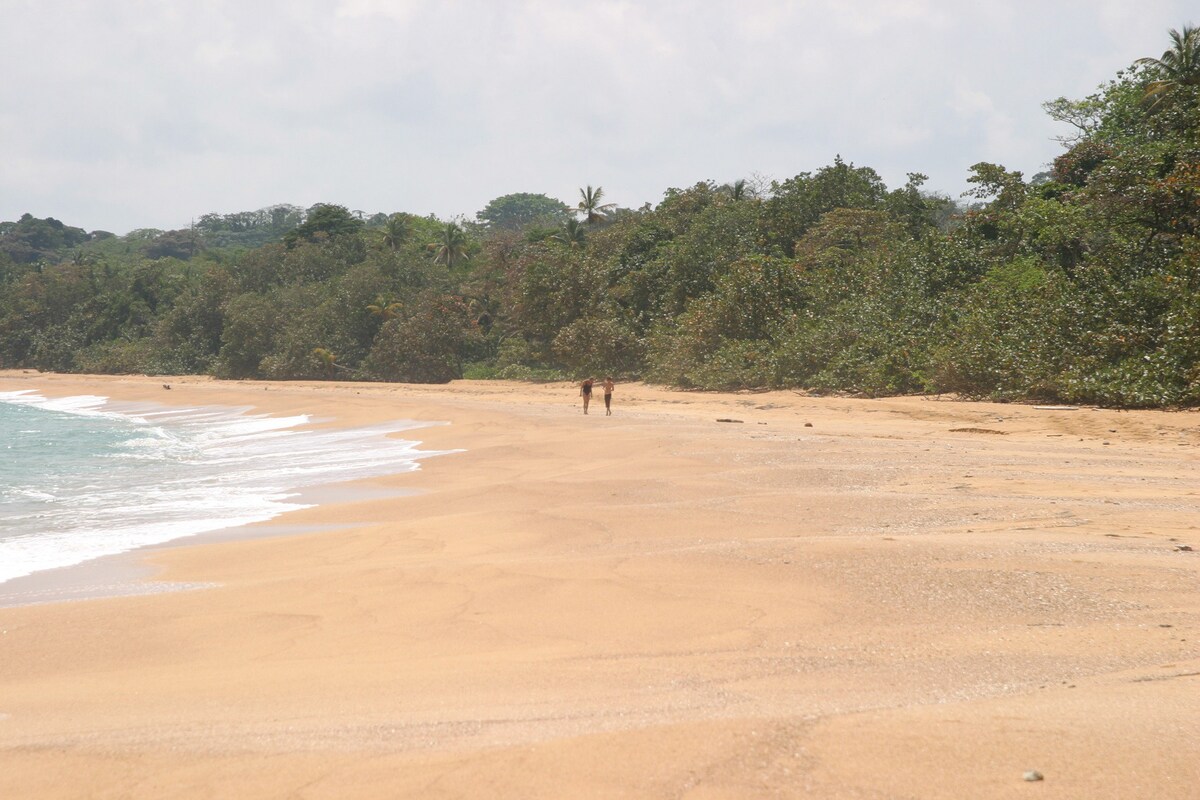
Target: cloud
column 396, row 10
column 147, row 114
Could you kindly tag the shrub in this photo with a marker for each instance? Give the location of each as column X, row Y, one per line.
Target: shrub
column 123, row 357
column 999, row 350
column 248, row 336
column 425, row 343
column 598, row 345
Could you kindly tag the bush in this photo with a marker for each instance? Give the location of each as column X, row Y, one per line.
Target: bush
column 855, row 348
column 251, row 322
column 998, row 349
column 598, row 345
column 123, row 357
column 53, row 348
column 425, row 344
column 737, row 364
column 726, row 337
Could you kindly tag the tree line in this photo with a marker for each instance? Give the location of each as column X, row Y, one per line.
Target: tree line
column 1079, row 284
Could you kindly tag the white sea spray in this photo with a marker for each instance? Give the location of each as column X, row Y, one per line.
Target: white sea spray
column 82, row 477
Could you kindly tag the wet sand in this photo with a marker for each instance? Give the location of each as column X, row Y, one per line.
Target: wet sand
column 903, row 598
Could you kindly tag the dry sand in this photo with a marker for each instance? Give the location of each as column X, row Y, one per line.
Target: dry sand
column 912, row 598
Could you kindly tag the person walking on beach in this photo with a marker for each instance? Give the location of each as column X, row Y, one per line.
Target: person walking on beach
column 608, row 390
column 585, row 391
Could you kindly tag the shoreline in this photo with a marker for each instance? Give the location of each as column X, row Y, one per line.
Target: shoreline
column 126, row 573
column 830, row 598
column 129, row 573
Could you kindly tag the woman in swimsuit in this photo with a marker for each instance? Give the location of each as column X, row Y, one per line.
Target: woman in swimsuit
column 585, row 391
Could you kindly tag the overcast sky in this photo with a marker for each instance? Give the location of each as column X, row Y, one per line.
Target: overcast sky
column 118, row 115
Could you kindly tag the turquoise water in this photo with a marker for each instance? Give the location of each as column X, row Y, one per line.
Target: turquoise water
column 81, row 477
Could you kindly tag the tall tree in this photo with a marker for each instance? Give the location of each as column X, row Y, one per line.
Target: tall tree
column 324, row 221
column 1178, row 66
column 737, row 190
column 571, row 234
column 798, row 203
column 327, row 359
column 515, row 211
column 590, row 205
column 396, row 230
column 451, row 246
column 384, row 308
column 31, row 239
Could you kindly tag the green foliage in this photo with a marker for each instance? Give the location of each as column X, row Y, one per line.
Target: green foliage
column 324, row 221
column 726, row 334
column 876, row 304
column 996, row 349
column 921, row 214
column 598, row 345
column 247, row 229
column 54, row 349
column 247, row 337
column 1074, row 166
column 174, row 244
column 451, row 247
column 30, row 239
column 992, row 181
column 1079, row 285
column 572, row 234
column 1175, row 71
column 551, row 287
column 517, row 211
column 396, row 230
column 591, row 207
column 515, row 360
column 188, row 335
column 127, row 357
column 797, row 203
column 720, row 234
column 426, row 343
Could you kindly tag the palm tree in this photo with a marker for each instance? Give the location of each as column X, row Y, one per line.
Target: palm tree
column 479, row 312
column 572, row 234
column 384, row 308
column 1178, row 66
column 451, row 247
column 589, row 205
column 737, row 190
column 396, row 230
column 327, row 359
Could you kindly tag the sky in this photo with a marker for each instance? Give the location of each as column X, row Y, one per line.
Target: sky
column 120, row 115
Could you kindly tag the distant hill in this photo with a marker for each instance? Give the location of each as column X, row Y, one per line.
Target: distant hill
column 29, row 239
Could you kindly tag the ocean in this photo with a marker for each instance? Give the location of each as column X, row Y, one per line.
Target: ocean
column 82, row 477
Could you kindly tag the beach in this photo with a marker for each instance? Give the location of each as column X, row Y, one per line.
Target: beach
column 740, row 595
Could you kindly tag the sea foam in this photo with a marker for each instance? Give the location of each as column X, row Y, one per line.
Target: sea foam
column 82, row 477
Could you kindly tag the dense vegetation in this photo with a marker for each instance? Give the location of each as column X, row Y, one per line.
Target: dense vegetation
column 1081, row 284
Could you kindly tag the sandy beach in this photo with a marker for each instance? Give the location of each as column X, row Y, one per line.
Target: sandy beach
column 823, row 598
